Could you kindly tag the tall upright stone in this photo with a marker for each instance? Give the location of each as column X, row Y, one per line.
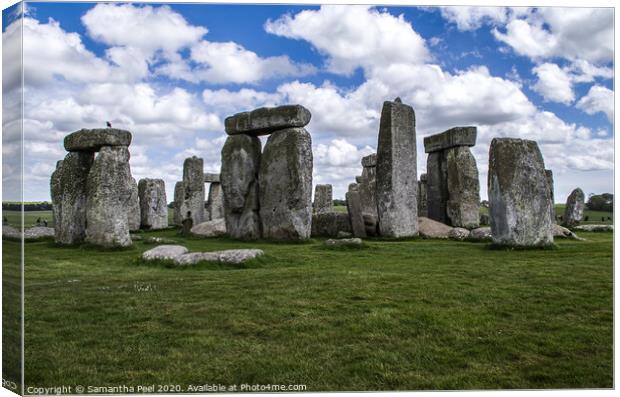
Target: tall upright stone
column 422, row 203
column 69, row 193
column 549, row 174
column 108, row 198
column 575, row 204
column 241, row 158
column 354, row 208
column 463, row 205
column 189, row 199
column 285, row 185
column 133, row 214
column 215, row 202
column 519, row 194
column 453, row 188
column 323, row 201
column 153, row 204
column 397, row 186
column 368, row 193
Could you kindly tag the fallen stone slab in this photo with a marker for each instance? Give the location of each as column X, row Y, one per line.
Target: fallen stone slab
column 214, row 228
column 164, row 252
column 561, row 231
column 234, row 256
column 481, row 234
column 457, row 136
column 212, row 178
column 458, row 233
column 432, row 229
column 264, row 121
column 344, row 242
column 86, row 140
column 595, row 228
column 30, row 234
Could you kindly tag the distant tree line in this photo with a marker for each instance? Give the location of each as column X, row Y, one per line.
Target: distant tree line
column 601, row 202
column 15, row 206
column 338, row 202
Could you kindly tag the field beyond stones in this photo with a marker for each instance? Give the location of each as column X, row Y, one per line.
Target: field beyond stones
column 397, row 315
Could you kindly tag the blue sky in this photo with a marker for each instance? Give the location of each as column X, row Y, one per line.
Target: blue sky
column 172, row 73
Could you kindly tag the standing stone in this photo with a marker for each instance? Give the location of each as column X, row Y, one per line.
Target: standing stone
column 323, row 201
column 368, row 193
column 285, row 185
column 549, row 174
column 329, row 224
column 264, row 121
column 69, row 192
column 215, row 202
column 519, row 195
column 463, row 205
column 241, row 157
column 422, row 196
column 133, row 215
column 437, row 187
column 354, row 208
column 397, row 186
column 575, row 204
column 193, row 176
column 180, row 206
column 153, row 204
column 108, row 198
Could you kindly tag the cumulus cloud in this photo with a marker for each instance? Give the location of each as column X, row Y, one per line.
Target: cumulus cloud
column 598, row 99
column 472, row 18
column 553, row 83
column 354, row 36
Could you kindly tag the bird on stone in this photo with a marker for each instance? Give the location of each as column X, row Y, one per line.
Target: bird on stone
column 108, row 124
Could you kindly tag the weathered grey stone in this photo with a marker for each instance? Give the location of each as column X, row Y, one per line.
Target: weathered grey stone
column 153, row 204
column 344, row 234
column 422, row 196
column 86, row 140
column 595, row 228
column 437, row 186
column 179, row 205
column 212, row 178
column 193, row 176
column 164, row 252
column 30, row 234
column 463, row 204
column 458, row 233
column 457, row 136
column 519, row 196
column 573, row 211
column 213, row 228
column 344, row 242
column 323, row 201
column 481, row 234
column 234, row 256
column 371, row 225
column 370, row 160
column 241, row 156
column 397, row 187
column 133, row 214
column 368, row 188
column 264, row 121
column 215, row 202
column 108, row 196
column 285, row 185
column 359, row 179
column 429, row 228
column 354, row 208
column 562, row 232
column 330, row 224
column 353, row 187
column 157, row 240
column 549, row 175
column 484, row 219
column 69, row 192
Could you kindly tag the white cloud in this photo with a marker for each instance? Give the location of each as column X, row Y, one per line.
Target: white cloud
column 472, row 18
column 571, row 33
column 354, row 36
column 598, row 99
column 554, row 84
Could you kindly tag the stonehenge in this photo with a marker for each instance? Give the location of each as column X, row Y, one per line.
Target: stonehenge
column 153, row 204
column 133, row 213
column 573, row 212
column 279, row 177
column 368, row 193
column 354, row 208
column 519, row 194
column 323, row 201
column 452, row 185
column 397, row 186
column 549, row 175
column 422, row 196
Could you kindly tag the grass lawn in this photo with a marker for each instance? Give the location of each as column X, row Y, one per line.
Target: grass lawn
column 398, row 315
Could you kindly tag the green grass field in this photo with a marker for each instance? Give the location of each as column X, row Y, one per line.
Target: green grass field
column 398, row 315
